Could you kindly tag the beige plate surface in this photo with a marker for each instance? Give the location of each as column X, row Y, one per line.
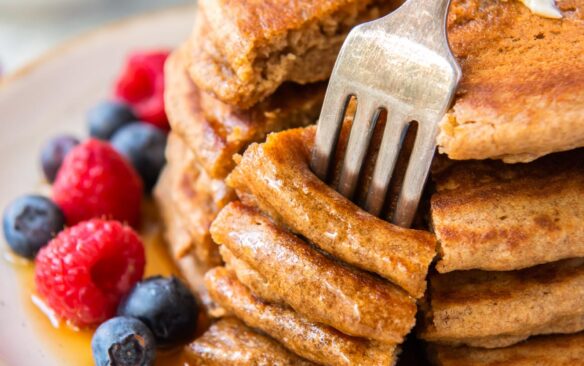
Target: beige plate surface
column 50, row 97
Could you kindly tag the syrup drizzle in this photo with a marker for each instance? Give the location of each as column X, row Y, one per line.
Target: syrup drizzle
column 70, row 345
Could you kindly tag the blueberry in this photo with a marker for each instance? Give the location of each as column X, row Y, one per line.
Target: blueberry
column 54, row 152
column 107, row 117
column 166, row 306
column 123, row 341
column 143, row 145
column 30, row 222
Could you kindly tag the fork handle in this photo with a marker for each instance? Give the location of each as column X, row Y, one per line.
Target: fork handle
column 432, row 7
column 424, row 18
column 427, row 10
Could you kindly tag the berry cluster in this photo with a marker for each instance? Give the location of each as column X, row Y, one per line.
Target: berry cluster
column 89, row 261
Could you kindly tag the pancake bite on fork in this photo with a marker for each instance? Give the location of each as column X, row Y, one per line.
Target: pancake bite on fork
column 284, row 281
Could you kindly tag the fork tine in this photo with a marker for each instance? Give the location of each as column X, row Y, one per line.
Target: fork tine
column 328, row 129
column 393, row 135
column 416, row 174
column 359, row 139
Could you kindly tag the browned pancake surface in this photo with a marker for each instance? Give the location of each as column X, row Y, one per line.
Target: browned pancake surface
column 216, row 131
column 492, row 216
column 522, row 91
column 277, row 174
column 178, row 237
column 196, row 199
column 229, row 342
column 496, row 309
column 555, row 350
column 244, row 50
column 312, row 284
column 313, row 341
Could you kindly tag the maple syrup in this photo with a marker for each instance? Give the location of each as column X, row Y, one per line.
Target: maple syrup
column 73, row 346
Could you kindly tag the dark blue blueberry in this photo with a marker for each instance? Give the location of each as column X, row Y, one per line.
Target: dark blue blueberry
column 54, row 152
column 143, row 145
column 166, row 306
column 30, row 223
column 123, row 341
column 107, row 117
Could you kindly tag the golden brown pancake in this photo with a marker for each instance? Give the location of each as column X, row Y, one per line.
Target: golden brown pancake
column 178, row 236
column 492, row 216
column 556, row 350
column 522, row 90
column 315, row 342
column 250, row 278
column 275, row 175
column 244, row 50
column 216, row 131
column 229, row 342
column 497, row 309
column 312, row 284
column 196, row 198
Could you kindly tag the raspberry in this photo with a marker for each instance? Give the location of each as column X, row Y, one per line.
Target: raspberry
column 95, row 181
column 141, row 85
column 84, row 272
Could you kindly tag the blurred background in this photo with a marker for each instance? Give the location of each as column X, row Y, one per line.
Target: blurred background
column 28, row 28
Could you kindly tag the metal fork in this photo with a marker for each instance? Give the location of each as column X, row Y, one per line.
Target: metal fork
column 401, row 63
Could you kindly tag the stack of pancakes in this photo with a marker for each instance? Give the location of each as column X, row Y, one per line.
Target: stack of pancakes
column 510, row 272
column 247, row 70
column 510, row 260
column 309, row 268
column 297, row 274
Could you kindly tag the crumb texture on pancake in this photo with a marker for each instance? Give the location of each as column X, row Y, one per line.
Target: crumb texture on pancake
column 244, row 50
column 522, row 91
column 555, row 350
column 497, row 217
column 229, row 342
column 276, row 177
column 215, row 131
column 497, row 309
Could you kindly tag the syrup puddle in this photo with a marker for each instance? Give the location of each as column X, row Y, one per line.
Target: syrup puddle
column 46, row 310
column 73, row 346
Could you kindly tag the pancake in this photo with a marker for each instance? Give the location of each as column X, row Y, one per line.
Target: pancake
column 216, row 131
column 197, row 199
column 556, row 350
column 522, row 90
column 312, row 284
column 497, row 309
column 244, row 50
column 315, row 342
column 229, row 342
column 492, row 216
column 276, row 177
column 250, row 278
column 177, row 237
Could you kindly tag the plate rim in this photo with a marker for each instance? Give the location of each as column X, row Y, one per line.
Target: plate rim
column 70, row 43
column 15, row 86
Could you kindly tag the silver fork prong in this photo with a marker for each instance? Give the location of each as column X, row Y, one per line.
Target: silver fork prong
column 416, row 174
column 359, row 139
column 404, row 61
column 328, row 129
column 393, row 135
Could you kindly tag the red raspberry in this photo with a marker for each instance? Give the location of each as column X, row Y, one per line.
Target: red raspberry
column 84, row 272
column 142, row 86
column 97, row 182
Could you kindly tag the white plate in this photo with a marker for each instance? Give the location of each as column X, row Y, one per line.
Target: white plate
column 49, row 97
